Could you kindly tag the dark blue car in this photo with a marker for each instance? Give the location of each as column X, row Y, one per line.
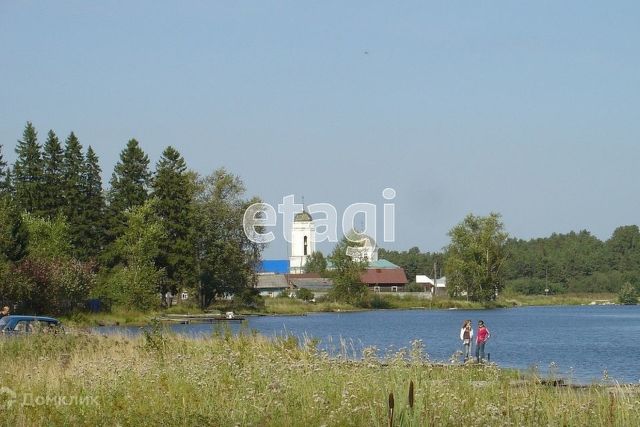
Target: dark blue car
column 20, row 324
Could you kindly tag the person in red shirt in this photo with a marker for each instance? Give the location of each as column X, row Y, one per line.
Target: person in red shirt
column 481, row 340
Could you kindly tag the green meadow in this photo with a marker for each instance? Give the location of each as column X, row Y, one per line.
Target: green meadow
column 159, row 378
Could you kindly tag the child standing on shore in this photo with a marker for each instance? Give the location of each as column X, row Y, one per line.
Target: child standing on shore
column 466, row 335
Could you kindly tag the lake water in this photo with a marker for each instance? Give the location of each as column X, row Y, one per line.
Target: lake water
column 580, row 343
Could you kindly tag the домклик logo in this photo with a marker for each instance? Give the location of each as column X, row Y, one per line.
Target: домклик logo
column 7, row 397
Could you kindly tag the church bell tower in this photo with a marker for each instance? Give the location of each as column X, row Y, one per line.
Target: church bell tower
column 303, row 241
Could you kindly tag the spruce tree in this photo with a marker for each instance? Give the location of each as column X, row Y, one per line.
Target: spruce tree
column 174, row 192
column 72, row 168
column 4, row 174
column 28, row 172
column 93, row 214
column 129, row 187
column 52, row 157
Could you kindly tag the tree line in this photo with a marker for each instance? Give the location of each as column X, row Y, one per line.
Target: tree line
column 482, row 255
column 64, row 239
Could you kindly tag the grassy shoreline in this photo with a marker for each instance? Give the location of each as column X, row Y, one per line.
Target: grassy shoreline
column 165, row 379
column 288, row 306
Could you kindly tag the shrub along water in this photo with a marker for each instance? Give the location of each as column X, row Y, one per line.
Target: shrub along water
column 163, row 379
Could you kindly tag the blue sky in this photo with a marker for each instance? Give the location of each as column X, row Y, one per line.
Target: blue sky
column 530, row 110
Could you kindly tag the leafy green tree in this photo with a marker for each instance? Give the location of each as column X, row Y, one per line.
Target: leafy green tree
column 475, row 257
column 316, row 263
column 227, row 258
column 52, row 157
column 347, row 285
column 28, row 174
column 624, row 248
column 628, row 295
column 129, row 187
column 48, row 238
column 92, row 227
column 14, row 235
column 174, row 191
column 138, row 282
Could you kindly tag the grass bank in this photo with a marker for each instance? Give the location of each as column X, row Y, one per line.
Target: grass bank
column 163, row 379
column 296, row 306
column 122, row 316
column 558, row 299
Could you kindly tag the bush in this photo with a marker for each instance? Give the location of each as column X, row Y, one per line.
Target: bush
column 248, row 298
column 414, row 287
column 628, row 295
column 373, row 301
column 304, row 294
column 52, row 286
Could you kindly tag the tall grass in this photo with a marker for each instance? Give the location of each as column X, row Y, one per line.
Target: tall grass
column 163, row 379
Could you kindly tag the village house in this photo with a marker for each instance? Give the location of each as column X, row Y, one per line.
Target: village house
column 384, row 276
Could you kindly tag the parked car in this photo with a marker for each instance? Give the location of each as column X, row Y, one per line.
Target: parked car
column 20, row 324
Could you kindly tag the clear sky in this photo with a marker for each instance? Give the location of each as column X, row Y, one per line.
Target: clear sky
column 526, row 109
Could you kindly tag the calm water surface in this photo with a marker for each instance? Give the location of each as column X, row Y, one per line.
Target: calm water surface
column 582, row 343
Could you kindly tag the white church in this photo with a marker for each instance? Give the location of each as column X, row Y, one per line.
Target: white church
column 303, row 244
column 303, row 241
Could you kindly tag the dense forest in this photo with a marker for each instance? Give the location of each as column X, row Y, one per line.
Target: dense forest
column 154, row 233
column 572, row 262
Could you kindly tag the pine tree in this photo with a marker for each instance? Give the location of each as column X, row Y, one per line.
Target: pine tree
column 52, row 157
column 174, row 191
column 4, row 174
column 72, row 168
column 28, row 172
column 93, row 214
column 129, row 187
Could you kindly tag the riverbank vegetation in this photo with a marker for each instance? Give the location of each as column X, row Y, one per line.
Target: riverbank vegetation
column 163, row 379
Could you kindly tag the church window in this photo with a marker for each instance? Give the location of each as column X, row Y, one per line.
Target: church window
column 305, row 245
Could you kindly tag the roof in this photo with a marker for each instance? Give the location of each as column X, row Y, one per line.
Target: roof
column 382, row 263
column 292, row 276
column 277, row 266
column 313, row 284
column 421, row 278
column 439, row 283
column 384, row 276
column 272, row 281
column 303, row 216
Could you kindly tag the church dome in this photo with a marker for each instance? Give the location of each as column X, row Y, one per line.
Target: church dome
column 303, row 216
